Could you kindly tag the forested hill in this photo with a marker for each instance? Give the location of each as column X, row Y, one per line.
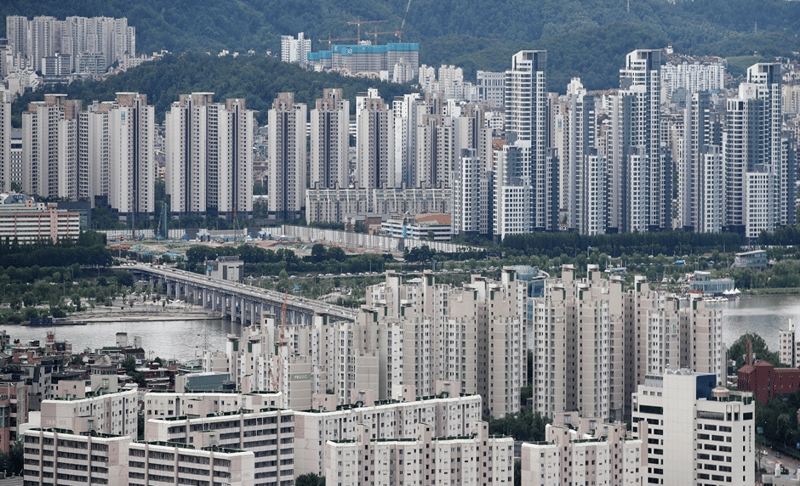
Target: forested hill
column 467, row 32
column 256, row 78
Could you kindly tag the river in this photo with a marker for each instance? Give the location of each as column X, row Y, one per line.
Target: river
column 183, row 340
column 764, row 315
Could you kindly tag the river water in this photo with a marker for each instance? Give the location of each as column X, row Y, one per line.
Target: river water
column 764, row 315
column 185, row 340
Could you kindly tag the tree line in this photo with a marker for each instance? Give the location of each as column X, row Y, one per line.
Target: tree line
column 256, row 78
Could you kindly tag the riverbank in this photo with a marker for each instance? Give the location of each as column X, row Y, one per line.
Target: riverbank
column 140, row 312
column 775, row 291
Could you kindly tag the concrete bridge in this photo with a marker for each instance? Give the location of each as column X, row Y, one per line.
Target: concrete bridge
column 243, row 303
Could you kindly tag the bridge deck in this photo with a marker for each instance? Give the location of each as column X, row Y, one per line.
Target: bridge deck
column 241, row 290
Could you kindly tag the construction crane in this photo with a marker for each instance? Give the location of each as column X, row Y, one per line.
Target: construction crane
column 276, row 377
column 330, row 41
column 358, row 22
column 396, row 33
column 402, row 26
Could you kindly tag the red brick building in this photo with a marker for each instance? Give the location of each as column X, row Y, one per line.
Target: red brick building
column 767, row 382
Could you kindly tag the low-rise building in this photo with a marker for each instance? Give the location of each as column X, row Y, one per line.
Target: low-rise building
column 751, row 259
column 266, row 433
column 226, row 268
column 55, row 456
column 476, row 459
column 112, row 413
column 155, row 463
column 446, row 415
column 767, row 382
column 58, row 456
column 437, row 227
column 25, row 220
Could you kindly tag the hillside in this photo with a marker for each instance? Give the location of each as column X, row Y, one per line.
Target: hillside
column 478, row 34
column 256, row 78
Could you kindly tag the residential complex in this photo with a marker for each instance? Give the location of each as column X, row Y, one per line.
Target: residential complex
column 577, row 450
column 76, row 40
column 209, row 159
column 422, row 459
column 593, row 344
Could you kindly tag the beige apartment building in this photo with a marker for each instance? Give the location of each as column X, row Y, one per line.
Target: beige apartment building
column 594, row 342
column 475, row 459
column 579, row 450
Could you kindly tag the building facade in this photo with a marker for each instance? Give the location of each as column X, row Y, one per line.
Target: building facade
column 287, row 157
column 695, row 431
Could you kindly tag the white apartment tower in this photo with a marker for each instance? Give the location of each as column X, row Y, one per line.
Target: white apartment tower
column 698, row 136
column 593, row 343
column 132, row 168
column 467, row 192
column 94, row 151
column 586, row 186
column 639, row 198
column 408, row 111
column 50, row 147
column 526, row 124
column 435, row 146
column 375, row 142
column 330, row 141
column 759, row 184
column 287, row 157
column 17, row 34
column 75, row 38
column 5, row 141
column 423, row 459
column 295, row 50
column 789, row 347
column 695, row 431
column 209, row 156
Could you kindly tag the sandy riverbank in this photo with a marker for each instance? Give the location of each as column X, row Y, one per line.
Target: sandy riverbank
column 145, row 312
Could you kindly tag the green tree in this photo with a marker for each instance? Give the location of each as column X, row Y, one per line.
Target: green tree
column 738, row 349
column 310, row 479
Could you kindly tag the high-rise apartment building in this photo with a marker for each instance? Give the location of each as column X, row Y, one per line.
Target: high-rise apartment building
column 408, row 111
column 759, row 182
column 209, row 157
column 375, row 143
column 531, row 176
column 132, row 168
column 435, row 146
column 701, row 190
column 579, row 450
column 5, row 141
column 330, row 141
column 593, row 343
column 287, row 157
column 639, row 179
column 107, row 39
column 696, row 431
column 586, row 177
column 423, row 459
column 94, row 158
column 50, row 147
column 491, row 88
column 295, row 50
